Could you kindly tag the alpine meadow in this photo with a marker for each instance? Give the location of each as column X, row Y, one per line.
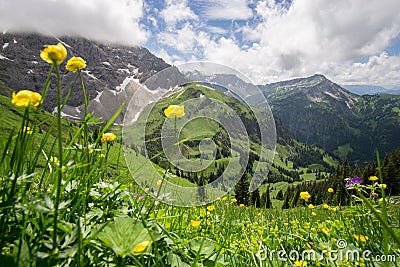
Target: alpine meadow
column 109, row 156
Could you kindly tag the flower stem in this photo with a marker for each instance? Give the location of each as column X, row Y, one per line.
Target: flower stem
column 60, row 156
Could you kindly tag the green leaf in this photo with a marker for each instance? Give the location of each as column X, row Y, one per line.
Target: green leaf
column 124, row 234
column 175, row 260
column 202, row 247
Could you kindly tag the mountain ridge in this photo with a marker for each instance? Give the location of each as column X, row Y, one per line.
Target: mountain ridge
column 318, row 111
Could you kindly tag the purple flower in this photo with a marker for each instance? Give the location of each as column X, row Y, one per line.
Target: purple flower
column 135, row 195
column 141, row 196
column 354, row 181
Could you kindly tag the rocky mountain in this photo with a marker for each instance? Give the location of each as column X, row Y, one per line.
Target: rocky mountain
column 110, row 70
column 317, row 111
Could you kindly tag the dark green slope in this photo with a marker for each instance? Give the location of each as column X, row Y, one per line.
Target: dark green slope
column 318, row 111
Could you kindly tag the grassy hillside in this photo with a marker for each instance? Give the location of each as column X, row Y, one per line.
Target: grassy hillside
column 293, row 161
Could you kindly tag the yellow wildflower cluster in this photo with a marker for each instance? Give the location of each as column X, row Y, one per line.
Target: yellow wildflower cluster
column 26, row 130
column 54, row 160
column 361, row 238
column 52, row 54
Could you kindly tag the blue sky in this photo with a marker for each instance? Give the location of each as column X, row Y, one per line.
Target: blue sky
column 349, row 41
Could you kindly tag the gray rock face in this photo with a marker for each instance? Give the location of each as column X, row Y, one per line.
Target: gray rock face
column 107, row 66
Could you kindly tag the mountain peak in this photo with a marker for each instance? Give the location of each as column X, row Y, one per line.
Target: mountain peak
column 317, row 76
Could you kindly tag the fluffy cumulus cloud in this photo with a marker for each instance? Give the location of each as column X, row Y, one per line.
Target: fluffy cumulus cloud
column 103, row 20
column 176, row 11
column 344, row 39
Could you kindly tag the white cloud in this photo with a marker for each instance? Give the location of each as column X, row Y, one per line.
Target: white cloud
column 183, row 40
column 381, row 70
column 176, row 11
column 226, row 10
column 103, row 20
column 319, row 36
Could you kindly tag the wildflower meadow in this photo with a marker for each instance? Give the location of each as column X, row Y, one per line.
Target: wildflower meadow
column 67, row 198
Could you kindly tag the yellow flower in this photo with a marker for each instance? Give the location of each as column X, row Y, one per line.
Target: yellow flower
column 325, row 206
column 313, row 214
column 107, row 137
column 26, row 130
column 175, row 111
column 54, row 160
column 75, row 63
column 383, row 186
column 326, row 231
column 373, row 178
column 311, row 206
column 159, row 182
column 211, row 208
column 91, row 150
column 241, row 205
column 54, row 53
column 361, row 238
column 139, row 248
column 224, row 198
column 330, row 190
column 300, row 263
column 25, row 98
column 195, row 223
column 305, row 195
column 334, row 209
column 102, row 155
column 233, row 200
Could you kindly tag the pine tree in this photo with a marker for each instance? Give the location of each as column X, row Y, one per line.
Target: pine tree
column 255, row 198
column 242, row 193
column 201, row 182
column 391, row 172
column 341, row 195
column 266, row 199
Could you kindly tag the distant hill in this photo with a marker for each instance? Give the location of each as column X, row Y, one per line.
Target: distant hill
column 371, row 90
column 315, row 110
